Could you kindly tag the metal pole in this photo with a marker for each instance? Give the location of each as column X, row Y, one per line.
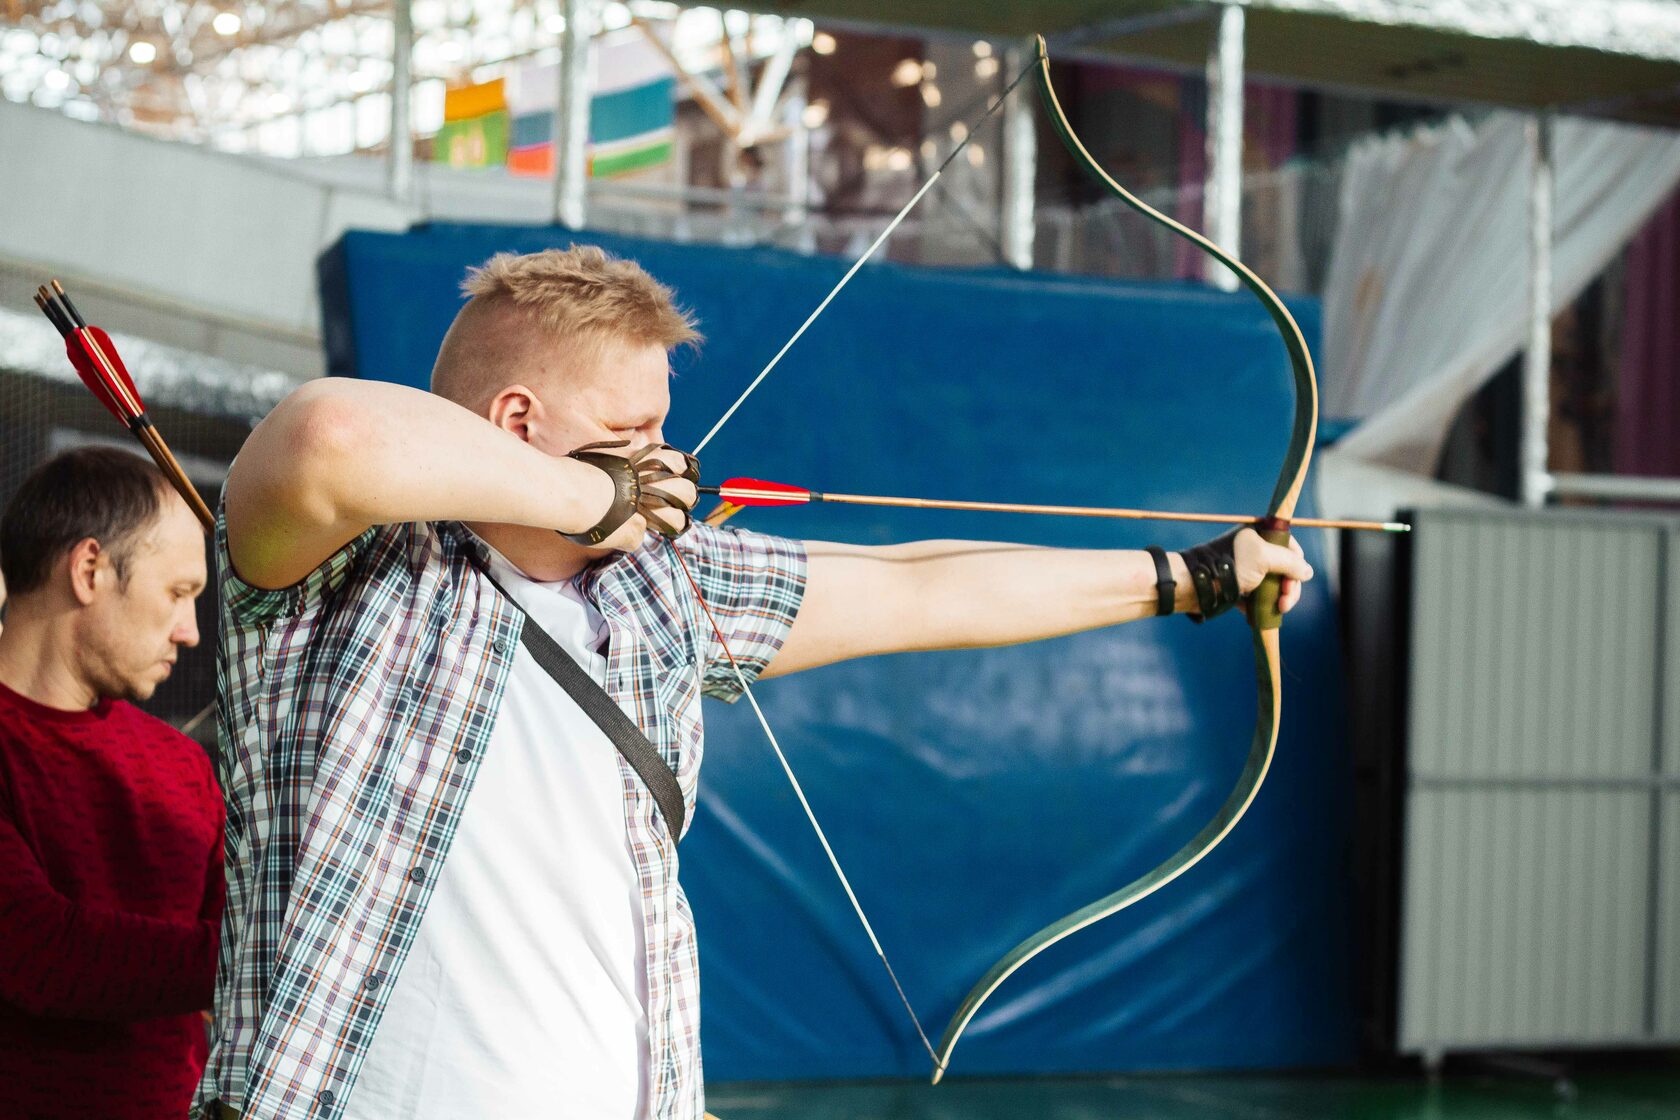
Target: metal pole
column 1536, row 481
column 1020, row 167
column 571, row 117
column 797, row 161
column 770, row 85
column 681, row 161
column 399, row 172
column 1222, row 209
column 1615, row 487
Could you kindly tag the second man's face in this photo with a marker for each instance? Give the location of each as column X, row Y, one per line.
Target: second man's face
column 135, row 630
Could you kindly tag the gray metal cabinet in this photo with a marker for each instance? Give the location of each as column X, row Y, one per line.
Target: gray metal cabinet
column 1540, row 888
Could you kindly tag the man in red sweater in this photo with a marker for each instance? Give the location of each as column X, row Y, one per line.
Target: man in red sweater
column 110, row 820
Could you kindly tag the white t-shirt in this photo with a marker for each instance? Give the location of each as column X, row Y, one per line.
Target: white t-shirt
column 525, row 995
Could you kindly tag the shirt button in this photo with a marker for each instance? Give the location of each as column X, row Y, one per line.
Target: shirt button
column 463, row 756
column 373, row 981
column 499, row 645
column 325, row 1098
column 417, row 874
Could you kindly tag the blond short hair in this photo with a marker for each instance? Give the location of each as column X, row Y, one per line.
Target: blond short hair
column 584, row 289
column 575, row 299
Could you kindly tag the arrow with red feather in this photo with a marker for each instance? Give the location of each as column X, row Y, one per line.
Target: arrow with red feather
column 760, row 492
column 101, row 369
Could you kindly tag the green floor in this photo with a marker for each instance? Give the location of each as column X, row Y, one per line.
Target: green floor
column 1601, row 1096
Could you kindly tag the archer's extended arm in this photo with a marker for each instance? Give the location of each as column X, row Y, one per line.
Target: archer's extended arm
column 862, row 600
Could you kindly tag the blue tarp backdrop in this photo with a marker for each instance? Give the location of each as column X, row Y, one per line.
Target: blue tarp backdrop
column 974, row 797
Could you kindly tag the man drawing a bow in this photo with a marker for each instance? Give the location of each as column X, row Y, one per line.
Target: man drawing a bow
column 453, row 869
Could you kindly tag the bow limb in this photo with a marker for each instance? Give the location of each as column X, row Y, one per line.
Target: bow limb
column 1236, row 804
column 1264, row 613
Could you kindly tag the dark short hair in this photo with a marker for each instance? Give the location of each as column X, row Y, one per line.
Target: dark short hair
column 99, row 492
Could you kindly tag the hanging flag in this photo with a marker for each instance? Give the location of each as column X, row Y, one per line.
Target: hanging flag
column 632, row 112
column 633, row 115
column 475, row 126
column 531, row 95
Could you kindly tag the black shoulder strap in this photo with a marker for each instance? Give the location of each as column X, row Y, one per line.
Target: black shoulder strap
column 642, row 756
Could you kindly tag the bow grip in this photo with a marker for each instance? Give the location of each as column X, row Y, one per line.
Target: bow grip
column 1263, row 609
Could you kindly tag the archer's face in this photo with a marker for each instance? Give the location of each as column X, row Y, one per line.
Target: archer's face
column 559, row 399
column 622, row 393
column 131, row 633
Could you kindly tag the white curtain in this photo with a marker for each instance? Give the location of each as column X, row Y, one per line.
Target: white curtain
column 1427, row 293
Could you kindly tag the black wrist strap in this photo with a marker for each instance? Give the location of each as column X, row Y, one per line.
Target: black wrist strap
column 605, row 713
column 1166, row 588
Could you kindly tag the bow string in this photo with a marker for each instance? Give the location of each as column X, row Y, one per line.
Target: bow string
column 1264, row 611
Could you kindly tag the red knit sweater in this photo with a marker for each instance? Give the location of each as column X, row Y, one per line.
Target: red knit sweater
column 110, row 906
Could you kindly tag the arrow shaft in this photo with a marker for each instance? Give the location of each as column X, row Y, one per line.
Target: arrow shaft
column 733, row 493
column 118, row 394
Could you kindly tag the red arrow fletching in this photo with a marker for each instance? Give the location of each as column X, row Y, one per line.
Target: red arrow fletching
column 759, row 492
column 93, row 377
column 105, row 356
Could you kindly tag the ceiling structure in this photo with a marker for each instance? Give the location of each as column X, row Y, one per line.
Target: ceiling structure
column 312, row 76
column 297, row 77
column 190, row 70
column 1611, row 58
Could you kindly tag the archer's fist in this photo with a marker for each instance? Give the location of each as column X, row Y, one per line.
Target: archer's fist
column 668, row 479
column 651, row 487
column 1256, row 558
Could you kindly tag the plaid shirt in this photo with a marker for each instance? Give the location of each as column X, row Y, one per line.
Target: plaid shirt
column 355, row 709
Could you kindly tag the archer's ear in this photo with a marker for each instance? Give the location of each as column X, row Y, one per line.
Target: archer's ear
column 82, row 564
column 516, row 409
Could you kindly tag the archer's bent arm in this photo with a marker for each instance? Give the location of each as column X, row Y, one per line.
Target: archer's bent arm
column 927, row 595
column 339, row 455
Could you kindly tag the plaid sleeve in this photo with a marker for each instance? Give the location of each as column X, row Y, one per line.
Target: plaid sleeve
column 753, row 584
column 245, row 604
